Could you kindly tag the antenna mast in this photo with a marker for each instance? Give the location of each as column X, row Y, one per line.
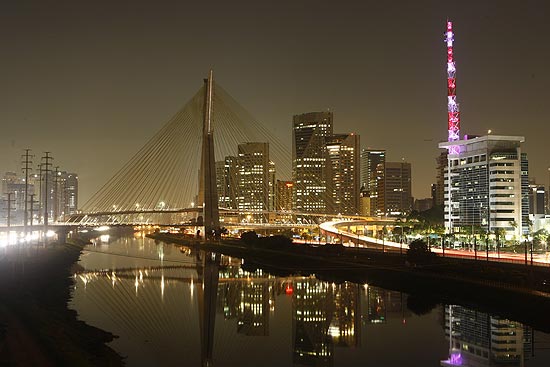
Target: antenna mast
column 452, row 106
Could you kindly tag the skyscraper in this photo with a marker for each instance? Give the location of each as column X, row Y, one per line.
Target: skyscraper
column 255, row 180
column 488, row 185
column 537, row 198
column 397, row 191
column 15, row 186
column 226, row 181
column 344, row 172
column 309, row 155
column 68, row 191
column 284, row 195
column 372, row 177
column 439, row 190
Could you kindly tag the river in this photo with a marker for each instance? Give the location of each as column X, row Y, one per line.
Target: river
column 171, row 306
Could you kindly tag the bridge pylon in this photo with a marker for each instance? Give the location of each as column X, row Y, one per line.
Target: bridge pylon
column 208, row 191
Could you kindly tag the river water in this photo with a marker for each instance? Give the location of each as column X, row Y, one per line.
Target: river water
column 170, row 306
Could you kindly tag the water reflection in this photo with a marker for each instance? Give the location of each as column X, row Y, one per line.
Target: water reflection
column 478, row 339
column 190, row 307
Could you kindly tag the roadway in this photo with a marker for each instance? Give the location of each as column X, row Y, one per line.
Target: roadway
column 333, row 229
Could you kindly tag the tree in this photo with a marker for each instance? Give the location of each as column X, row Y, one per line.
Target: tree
column 539, row 239
column 419, row 252
column 250, row 238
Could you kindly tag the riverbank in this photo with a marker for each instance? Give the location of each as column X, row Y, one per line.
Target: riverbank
column 36, row 326
column 515, row 292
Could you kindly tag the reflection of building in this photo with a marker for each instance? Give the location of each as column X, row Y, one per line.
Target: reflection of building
column 312, row 311
column 376, row 305
column 309, row 134
column 372, row 177
column 477, row 339
column 488, row 186
column 343, row 168
column 345, row 327
column 247, row 302
column 253, row 318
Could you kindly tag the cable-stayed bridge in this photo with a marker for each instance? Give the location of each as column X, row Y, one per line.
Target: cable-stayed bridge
column 172, row 179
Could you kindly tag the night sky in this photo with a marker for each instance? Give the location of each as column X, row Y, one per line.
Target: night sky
column 92, row 81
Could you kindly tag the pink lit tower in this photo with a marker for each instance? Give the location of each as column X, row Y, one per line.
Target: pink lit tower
column 452, row 106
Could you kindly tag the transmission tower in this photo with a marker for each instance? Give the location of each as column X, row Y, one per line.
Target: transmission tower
column 56, row 194
column 9, row 206
column 27, row 161
column 452, row 107
column 31, row 209
column 44, row 171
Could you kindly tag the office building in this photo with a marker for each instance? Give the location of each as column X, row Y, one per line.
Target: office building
column 397, row 189
column 15, row 187
column 372, row 178
column 486, row 184
column 438, row 190
column 283, row 198
column 309, row 161
column 67, row 195
column 421, row 205
column 537, row 199
column 364, row 202
column 344, row 171
column 256, row 175
column 226, row 181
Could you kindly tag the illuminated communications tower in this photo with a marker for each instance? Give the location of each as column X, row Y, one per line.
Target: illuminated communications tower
column 452, row 106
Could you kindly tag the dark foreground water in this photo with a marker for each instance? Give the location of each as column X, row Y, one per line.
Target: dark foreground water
column 174, row 307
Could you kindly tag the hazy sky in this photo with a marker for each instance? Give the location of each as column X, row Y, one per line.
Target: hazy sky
column 92, row 81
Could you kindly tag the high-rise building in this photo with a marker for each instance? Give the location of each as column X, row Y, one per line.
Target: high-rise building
column 372, row 177
column 255, row 181
column 63, row 194
column 439, row 189
column 364, row 202
column 486, row 184
column 226, row 181
column 421, row 205
column 344, row 172
column 284, row 196
column 397, row 191
column 309, row 159
column 537, row 198
column 15, row 186
column 68, row 194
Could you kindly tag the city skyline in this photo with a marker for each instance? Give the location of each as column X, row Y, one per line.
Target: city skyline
column 94, row 82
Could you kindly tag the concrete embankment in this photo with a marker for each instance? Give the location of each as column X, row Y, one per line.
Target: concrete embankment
column 37, row 328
